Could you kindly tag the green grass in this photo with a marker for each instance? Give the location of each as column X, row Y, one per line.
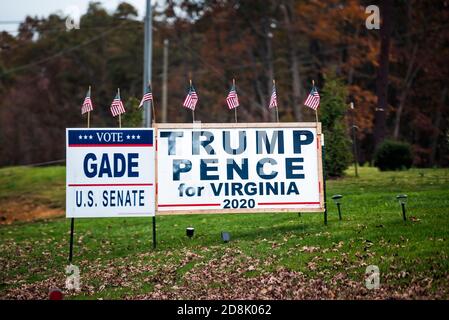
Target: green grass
column 44, row 186
column 371, row 232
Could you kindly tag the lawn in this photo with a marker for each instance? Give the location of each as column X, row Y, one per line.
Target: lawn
column 272, row 256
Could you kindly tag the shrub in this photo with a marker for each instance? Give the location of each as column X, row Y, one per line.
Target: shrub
column 393, row 155
column 133, row 116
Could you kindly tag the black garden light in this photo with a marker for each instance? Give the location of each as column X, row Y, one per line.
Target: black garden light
column 402, row 198
column 337, row 199
column 190, row 231
column 225, row 236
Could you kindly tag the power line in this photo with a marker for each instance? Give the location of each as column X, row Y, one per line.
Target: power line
column 62, row 28
column 41, row 164
column 62, row 52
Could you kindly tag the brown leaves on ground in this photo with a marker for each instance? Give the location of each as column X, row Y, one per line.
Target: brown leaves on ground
column 227, row 274
column 226, row 277
column 309, row 249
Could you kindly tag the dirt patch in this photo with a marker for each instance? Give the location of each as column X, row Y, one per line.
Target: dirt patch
column 17, row 211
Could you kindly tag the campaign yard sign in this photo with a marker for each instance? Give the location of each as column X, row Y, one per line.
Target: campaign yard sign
column 246, row 167
column 110, row 173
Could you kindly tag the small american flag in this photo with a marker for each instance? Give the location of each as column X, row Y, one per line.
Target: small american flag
column 117, row 107
column 273, row 99
column 191, row 99
column 232, row 99
column 87, row 104
column 148, row 96
column 313, row 100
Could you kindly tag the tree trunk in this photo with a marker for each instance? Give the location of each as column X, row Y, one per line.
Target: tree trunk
column 350, row 77
column 265, row 50
column 408, row 80
column 437, row 131
column 297, row 88
column 269, row 45
column 382, row 75
column 409, row 77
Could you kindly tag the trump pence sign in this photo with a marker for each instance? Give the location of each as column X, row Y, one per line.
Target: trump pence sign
column 110, row 173
column 258, row 167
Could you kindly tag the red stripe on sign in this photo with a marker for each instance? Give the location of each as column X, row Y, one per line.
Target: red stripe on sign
column 279, row 203
column 191, row 205
column 111, row 185
column 111, row 145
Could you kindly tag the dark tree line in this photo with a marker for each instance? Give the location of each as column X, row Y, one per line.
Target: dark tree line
column 402, row 69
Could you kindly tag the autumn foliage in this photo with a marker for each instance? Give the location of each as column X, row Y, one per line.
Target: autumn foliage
column 45, row 70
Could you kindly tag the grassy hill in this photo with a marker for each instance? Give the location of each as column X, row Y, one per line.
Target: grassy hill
column 28, row 193
column 276, row 255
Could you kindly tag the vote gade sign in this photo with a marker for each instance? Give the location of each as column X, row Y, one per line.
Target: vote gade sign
column 191, row 168
column 110, row 172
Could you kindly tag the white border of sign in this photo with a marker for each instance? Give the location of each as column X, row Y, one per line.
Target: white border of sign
column 310, row 125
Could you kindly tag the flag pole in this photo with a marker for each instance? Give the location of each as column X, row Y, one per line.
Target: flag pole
column 88, row 112
column 277, row 114
column 153, row 121
column 322, row 161
column 120, row 115
column 277, row 111
column 193, row 110
column 235, row 109
column 316, row 110
column 72, row 220
column 152, row 106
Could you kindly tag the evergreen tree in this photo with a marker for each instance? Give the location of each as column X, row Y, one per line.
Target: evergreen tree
column 332, row 111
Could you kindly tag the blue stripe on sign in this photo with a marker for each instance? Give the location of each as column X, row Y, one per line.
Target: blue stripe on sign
column 110, row 137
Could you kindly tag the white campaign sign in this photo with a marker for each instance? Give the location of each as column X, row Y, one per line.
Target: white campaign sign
column 239, row 168
column 110, row 173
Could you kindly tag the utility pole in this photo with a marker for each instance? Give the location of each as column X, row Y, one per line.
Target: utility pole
column 147, row 59
column 164, row 82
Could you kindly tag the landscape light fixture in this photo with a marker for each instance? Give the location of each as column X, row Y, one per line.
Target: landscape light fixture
column 402, row 198
column 225, row 236
column 337, row 199
column 190, row 231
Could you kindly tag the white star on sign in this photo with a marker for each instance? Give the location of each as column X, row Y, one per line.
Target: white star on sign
column 133, row 136
column 85, row 136
column 90, row 137
column 80, row 137
column 127, row 137
column 138, row 137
